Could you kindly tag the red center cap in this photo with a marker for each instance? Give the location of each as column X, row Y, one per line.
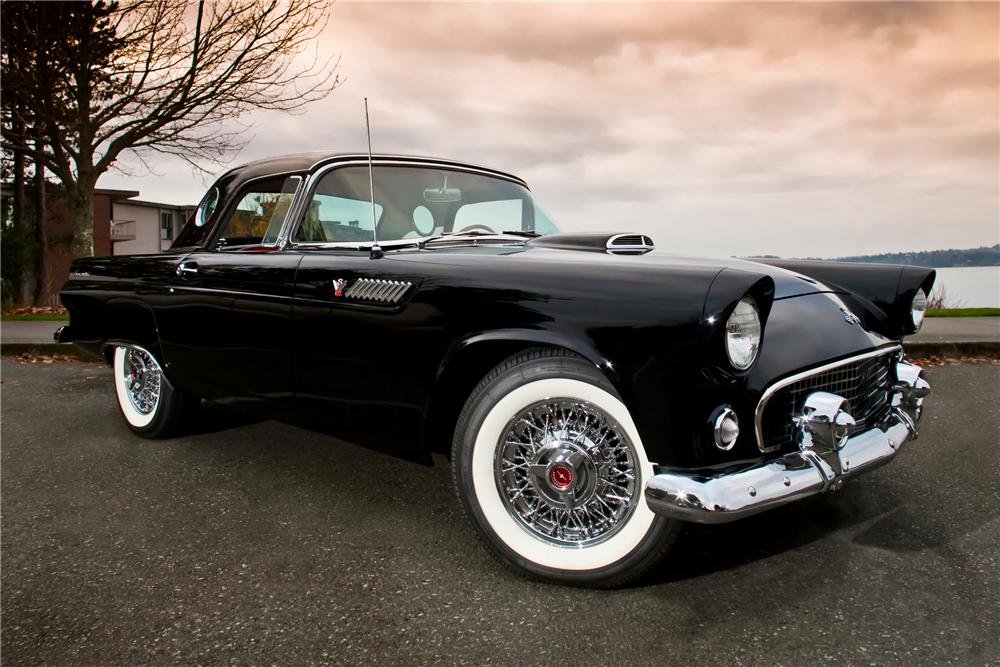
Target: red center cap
column 561, row 476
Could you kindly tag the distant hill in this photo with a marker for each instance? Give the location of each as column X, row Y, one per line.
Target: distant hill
column 937, row 259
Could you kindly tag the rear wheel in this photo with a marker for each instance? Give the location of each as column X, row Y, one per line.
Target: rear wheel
column 148, row 403
column 550, row 471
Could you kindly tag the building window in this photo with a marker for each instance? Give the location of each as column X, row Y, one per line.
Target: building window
column 166, row 226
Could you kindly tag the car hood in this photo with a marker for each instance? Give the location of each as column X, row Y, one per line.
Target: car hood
column 786, row 283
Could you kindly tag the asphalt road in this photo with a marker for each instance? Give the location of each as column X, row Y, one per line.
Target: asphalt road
column 261, row 543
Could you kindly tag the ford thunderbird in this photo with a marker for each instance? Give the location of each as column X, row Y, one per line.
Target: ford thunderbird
column 592, row 392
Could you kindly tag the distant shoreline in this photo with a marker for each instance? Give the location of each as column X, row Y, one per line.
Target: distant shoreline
column 938, row 259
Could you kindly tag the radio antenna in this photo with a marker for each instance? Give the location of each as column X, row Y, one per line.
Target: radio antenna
column 376, row 250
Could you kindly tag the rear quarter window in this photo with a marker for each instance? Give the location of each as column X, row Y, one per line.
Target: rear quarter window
column 199, row 227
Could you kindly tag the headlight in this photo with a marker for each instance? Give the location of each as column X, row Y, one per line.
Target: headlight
column 743, row 334
column 917, row 309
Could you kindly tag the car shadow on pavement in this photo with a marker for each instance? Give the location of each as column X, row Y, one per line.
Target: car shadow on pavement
column 875, row 513
column 704, row 549
column 216, row 417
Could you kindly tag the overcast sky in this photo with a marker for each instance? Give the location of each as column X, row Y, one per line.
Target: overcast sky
column 731, row 129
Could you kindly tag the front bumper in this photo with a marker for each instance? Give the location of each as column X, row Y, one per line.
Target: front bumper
column 827, row 455
column 63, row 334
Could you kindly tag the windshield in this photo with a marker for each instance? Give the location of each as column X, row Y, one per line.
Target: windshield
column 414, row 203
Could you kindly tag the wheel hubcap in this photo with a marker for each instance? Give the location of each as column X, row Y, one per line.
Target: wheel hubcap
column 142, row 377
column 561, row 476
column 566, row 472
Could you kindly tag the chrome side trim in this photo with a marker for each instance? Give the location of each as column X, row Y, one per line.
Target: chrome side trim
column 792, row 379
column 212, row 290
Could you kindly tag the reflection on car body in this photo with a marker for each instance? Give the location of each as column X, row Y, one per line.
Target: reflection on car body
column 592, row 392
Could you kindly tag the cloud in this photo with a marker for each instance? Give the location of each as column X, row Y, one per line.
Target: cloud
column 796, row 129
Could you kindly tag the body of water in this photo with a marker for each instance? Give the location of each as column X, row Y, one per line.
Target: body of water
column 969, row 286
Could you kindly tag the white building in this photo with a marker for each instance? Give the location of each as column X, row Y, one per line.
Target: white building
column 140, row 227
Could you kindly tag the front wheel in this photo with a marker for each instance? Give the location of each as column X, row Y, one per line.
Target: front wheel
column 550, row 471
column 148, row 403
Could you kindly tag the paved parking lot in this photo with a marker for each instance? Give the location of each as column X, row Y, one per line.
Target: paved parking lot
column 260, row 543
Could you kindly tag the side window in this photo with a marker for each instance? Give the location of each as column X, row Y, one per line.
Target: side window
column 498, row 216
column 259, row 213
column 198, row 228
column 206, row 209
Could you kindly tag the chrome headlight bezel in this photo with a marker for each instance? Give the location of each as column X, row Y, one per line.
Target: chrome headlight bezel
column 918, row 309
column 743, row 334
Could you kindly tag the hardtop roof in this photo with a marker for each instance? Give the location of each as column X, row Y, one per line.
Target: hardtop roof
column 310, row 161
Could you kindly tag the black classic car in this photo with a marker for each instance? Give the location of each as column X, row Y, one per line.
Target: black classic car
column 592, row 393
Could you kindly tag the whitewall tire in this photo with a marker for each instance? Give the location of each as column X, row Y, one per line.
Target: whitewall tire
column 148, row 403
column 550, row 470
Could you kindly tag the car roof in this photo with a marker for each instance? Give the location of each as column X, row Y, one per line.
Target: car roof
column 311, row 161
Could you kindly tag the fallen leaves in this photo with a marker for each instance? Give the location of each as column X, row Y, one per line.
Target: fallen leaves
column 29, row 358
column 934, row 360
column 32, row 310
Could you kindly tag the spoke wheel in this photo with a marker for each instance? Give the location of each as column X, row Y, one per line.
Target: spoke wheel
column 567, row 472
column 549, row 470
column 143, row 379
column 148, row 402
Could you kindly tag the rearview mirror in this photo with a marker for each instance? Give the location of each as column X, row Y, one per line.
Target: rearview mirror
column 442, row 195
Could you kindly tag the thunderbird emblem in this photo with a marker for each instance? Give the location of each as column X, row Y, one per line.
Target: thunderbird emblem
column 338, row 286
column 850, row 317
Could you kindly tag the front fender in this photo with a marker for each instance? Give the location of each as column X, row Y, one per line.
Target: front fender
column 884, row 291
column 528, row 338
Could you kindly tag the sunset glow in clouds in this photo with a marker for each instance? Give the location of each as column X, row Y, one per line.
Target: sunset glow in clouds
column 792, row 129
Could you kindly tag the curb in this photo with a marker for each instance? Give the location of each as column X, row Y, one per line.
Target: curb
column 985, row 348
column 989, row 348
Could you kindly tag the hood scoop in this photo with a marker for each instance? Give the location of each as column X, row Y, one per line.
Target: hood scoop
column 616, row 244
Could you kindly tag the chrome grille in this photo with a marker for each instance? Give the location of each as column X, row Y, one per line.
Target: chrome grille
column 377, row 290
column 865, row 383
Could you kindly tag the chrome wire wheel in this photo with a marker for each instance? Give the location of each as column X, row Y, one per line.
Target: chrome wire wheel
column 142, row 380
column 567, row 472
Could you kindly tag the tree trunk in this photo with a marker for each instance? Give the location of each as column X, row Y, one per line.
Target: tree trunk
column 42, row 281
column 20, row 226
column 83, row 218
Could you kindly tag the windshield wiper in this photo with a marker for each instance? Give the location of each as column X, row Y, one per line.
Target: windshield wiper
column 475, row 236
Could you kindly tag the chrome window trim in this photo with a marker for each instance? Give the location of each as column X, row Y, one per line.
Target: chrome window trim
column 297, row 212
column 212, row 245
column 362, row 158
column 199, row 213
column 792, row 379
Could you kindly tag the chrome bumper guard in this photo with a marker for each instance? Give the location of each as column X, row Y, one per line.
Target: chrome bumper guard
column 827, row 455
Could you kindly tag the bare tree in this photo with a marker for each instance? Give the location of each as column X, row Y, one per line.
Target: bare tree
column 152, row 76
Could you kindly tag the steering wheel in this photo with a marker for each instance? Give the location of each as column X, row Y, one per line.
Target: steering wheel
column 476, row 228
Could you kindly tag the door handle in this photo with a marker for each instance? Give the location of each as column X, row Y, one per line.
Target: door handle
column 187, row 269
